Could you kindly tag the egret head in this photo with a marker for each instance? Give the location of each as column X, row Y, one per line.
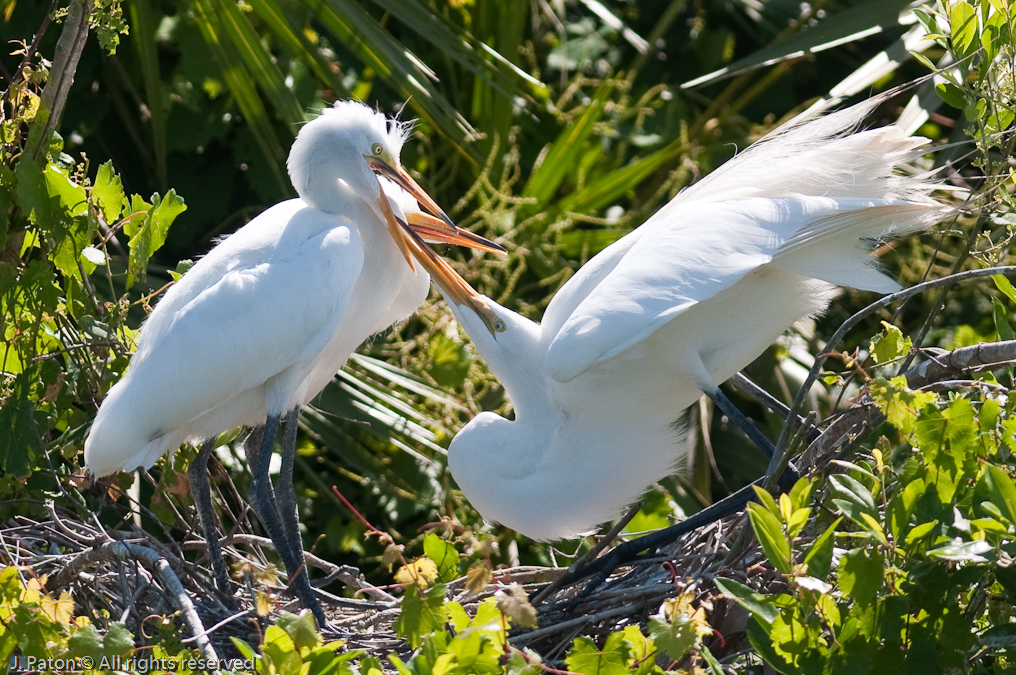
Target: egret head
column 339, row 155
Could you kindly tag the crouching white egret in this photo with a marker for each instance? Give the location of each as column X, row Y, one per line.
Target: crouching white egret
column 670, row 311
column 259, row 325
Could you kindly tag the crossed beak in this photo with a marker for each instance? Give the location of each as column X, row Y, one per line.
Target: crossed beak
column 411, row 237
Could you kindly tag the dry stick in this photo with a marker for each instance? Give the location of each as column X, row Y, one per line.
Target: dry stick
column 159, row 566
column 344, row 573
column 61, row 75
column 565, row 578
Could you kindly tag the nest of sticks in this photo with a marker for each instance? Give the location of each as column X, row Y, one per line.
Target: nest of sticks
column 144, row 579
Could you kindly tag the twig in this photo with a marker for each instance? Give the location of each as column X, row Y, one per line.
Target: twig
column 569, row 575
column 61, row 75
column 157, row 564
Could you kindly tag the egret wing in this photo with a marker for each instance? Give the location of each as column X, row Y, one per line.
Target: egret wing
column 678, row 261
column 252, row 324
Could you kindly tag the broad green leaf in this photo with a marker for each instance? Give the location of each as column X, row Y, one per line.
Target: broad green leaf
column 820, row 556
column 442, row 553
column 853, row 491
column 918, row 532
column 422, row 613
column 674, row 638
column 586, row 658
column 952, row 95
column 860, row 574
column 19, row 436
column 1005, row 286
column 963, row 29
column 769, row 533
column 1001, row 491
column 1002, row 326
column 899, row 404
column 999, row 637
column 147, row 228
column 890, row 344
column 801, row 492
column 759, row 605
column 961, row 551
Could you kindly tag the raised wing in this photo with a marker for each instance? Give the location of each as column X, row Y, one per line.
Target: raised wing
column 680, row 261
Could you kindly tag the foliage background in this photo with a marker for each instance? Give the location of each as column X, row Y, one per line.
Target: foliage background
column 566, row 131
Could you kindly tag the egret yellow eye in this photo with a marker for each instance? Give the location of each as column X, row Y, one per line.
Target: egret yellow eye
column 377, row 149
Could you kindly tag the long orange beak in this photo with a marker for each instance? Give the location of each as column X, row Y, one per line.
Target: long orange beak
column 455, row 288
column 436, row 231
column 410, row 238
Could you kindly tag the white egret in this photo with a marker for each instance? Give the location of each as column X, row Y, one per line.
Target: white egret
column 258, row 326
column 672, row 310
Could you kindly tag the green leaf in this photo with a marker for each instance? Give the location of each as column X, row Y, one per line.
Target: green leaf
column 860, row 574
column 147, row 228
column 86, row 641
column 585, row 658
column 674, row 638
column 19, row 437
column 820, row 556
column 442, row 553
column 899, row 404
column 852, row 491
column 1005, row 286
column 999, row 637
column 107, row 192
column 422, row 613
column 918, row 532
column 959, row 550
column 300, row 629
column 857, row 22
column 562, row 156
column 759, row 605
column 952, row 95
column 1001, row 492
column 118, row 640
column 963, row 29
column 769, row 533
column 890, row 344
column 801, row 492
column 1002, row 326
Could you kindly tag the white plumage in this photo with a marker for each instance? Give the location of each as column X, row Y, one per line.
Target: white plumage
column 672, row 310
column 261, row 323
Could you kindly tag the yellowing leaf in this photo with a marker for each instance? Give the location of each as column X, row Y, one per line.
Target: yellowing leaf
column 422, row 572
column 60, row 610
column 262, row 603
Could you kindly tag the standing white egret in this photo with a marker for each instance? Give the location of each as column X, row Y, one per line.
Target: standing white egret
column 672, row 310
column 259, row 326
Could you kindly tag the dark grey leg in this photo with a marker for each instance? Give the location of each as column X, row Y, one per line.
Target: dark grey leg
column 285, row 493
column 263, row 502
column 197, row 476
